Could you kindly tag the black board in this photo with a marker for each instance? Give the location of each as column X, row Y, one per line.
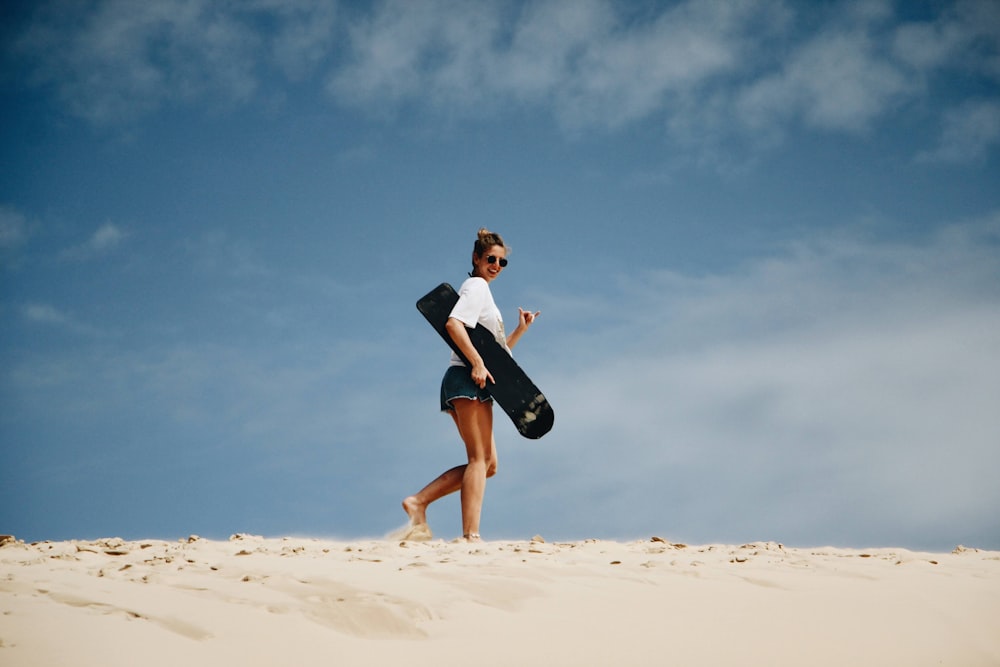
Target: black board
column 513, row 390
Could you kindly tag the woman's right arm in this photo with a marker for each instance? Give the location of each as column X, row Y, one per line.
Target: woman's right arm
column 456, row 329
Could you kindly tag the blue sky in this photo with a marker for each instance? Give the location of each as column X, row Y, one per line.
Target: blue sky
column 764, row 237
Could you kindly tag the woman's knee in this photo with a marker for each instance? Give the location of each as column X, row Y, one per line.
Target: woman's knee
column 491, row 467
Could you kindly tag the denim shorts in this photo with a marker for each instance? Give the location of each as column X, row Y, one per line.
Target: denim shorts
column 457, row 383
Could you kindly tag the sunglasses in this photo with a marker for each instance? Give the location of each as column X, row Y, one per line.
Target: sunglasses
column 493, row 259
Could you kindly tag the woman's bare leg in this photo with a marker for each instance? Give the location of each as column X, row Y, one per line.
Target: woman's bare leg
column 470, row 429
column 475, row 424
column 448, row 482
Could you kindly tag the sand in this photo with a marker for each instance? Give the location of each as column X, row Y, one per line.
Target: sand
column 269, row 601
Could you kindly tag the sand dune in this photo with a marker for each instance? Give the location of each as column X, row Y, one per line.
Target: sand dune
column 264, row 601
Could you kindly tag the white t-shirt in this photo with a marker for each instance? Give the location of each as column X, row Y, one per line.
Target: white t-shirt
column 476, row 306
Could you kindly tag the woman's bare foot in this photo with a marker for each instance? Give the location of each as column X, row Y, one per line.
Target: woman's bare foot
column 418, row 530
column 414, row 510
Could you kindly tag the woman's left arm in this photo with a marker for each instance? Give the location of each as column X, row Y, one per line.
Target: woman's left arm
column 524, row 320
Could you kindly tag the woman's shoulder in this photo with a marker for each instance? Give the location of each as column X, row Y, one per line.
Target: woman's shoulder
column 474, row 284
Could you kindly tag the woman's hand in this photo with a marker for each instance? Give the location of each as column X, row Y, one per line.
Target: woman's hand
column 460, row 335
column 524, row 320
column 480, row 375
column 526, row 317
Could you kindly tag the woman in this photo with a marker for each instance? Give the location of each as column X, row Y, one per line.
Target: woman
column 464, row 395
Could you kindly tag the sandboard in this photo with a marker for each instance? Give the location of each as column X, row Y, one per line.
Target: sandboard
column 513, row 390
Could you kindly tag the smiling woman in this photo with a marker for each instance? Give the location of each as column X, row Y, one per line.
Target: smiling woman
column 464, row 395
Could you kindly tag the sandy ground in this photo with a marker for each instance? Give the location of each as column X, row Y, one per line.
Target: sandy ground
column 269, row 601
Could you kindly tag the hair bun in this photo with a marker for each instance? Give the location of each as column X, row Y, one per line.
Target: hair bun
column 485, row 239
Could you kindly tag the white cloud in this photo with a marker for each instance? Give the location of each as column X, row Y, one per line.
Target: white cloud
column 13, row 228
column 966, row 35
column 219, row 253
column 780, row 399
column 116, row 60
column 711, row 72
column 968, row 133
column 44, row 314
column 836, row 81
column 123, row 59
column 594, row 67
column 633, row 72
column 583, row 58
column 105, row 238
column 437, row 51
column 304, row 33
column 928, row 45
column 47, row 315
column 546, row 42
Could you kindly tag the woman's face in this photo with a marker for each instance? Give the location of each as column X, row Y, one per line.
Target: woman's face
column 486, row 269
